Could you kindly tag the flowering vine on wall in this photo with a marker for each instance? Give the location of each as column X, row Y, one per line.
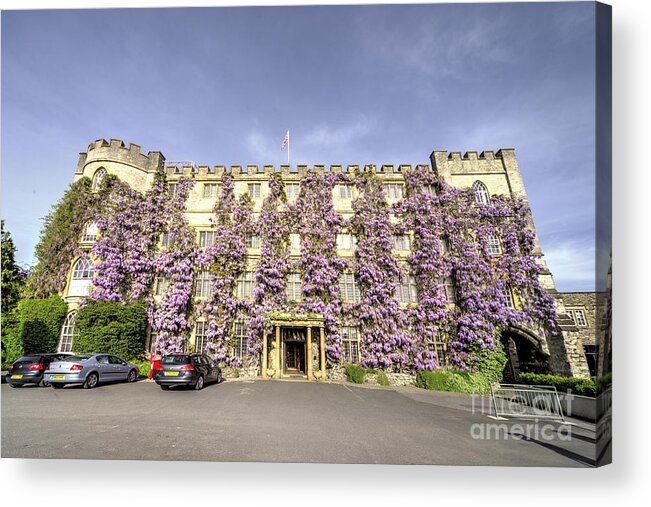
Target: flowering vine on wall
column 225, row 259
column 451, row 236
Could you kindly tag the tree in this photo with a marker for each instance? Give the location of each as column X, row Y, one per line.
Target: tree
column 13, row 279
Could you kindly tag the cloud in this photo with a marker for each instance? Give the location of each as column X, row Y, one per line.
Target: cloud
column 572, row 264
column 434, row 47
column 341, row 135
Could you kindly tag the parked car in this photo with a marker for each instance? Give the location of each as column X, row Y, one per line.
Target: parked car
column 186, row 369
column 90, row 370
column 30, row 369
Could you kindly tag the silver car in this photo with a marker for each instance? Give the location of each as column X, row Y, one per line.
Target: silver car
column 90, row 370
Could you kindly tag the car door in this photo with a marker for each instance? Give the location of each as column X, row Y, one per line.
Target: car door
column 104, row 368
column 119, row 367
column 211, row 371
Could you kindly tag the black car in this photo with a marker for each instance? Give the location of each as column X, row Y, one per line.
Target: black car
column 186, row 369
column 30, row 368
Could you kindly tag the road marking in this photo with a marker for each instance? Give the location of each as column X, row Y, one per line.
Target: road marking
column 352, row 392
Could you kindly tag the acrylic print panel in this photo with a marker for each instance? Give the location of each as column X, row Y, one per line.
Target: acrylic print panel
column 414, row 275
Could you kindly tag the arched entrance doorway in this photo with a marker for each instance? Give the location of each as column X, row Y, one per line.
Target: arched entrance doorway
column 524, row 354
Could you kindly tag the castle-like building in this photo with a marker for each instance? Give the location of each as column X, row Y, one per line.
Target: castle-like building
column 295, row 343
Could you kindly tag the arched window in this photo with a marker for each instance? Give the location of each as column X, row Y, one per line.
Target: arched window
column 90, row 233
column 67, row 333
column 82, row 274
column 481, row 193
column 98, row 177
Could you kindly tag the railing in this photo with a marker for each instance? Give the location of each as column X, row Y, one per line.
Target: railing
column 529, row 402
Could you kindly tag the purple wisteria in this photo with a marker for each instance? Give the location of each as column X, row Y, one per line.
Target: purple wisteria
column 474, row 265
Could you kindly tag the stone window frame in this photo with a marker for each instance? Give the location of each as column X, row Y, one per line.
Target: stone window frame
column 346, row 237
column 406, row 290
column 430, row 189
column 294, row 287
column 254, row 190
column 206, row 238
column 394, row 190
column 67, row 333
column 507, row 295
column 493, row 244
column 482, row 196
column 161, row 286
column 241, row 346
column 349, row 288
column 210, row 190
column 252, row 240
column 83, row 269
column 98, row 176
column 402, row 242
column 200, row 336
column 172, row 189
column 578, row 316
column 90, row 232
column 244, row 285
column 344, row 191
column 450, row 289
column 295, row 189
column 202, row 284
column 350, row 344
column 295, row 241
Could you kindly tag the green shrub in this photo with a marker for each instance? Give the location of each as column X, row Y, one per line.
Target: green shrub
column 382, row 379
column 12, row 346
column 111, row 327
column 582, row 387
column 604, row 381
column 236, row 373
column 143, row 365
column 355, row 373
column 489, row 370
column 38, row 324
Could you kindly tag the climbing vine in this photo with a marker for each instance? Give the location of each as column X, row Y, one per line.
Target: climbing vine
column 225, row 259
column 451, row 247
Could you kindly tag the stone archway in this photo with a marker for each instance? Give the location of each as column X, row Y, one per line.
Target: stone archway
column 525, row 354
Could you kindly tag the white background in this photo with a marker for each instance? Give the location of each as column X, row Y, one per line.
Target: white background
column 163, row 483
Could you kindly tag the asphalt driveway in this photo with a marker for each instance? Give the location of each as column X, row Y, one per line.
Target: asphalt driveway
column 277, row 421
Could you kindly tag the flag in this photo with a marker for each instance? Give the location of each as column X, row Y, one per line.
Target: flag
column 285, row 142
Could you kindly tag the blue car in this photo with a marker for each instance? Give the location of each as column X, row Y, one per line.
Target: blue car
column 89, row 370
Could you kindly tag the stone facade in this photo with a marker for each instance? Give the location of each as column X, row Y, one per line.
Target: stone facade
column 498, row 171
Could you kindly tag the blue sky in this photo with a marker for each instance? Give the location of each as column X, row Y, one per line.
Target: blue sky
column 355, row 84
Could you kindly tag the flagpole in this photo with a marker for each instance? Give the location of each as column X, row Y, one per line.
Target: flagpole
column 288, row 147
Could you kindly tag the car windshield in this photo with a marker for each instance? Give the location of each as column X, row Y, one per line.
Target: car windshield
column 176, row 360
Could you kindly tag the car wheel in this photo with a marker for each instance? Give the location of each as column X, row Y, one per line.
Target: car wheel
column 164, row 388
column 43, row 383
column 91, row 381
column 132, row 376
column 219, row 377
column 199, row 385
column 56, row 385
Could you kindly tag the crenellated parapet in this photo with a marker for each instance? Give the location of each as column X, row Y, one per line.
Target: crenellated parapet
column 115, row 151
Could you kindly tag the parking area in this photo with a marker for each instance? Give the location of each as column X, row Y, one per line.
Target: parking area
column 278, row 421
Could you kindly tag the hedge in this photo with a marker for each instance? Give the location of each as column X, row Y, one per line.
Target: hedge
column 113, row 328
column 34, row 327
column 491, row 366
column 582, row 387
